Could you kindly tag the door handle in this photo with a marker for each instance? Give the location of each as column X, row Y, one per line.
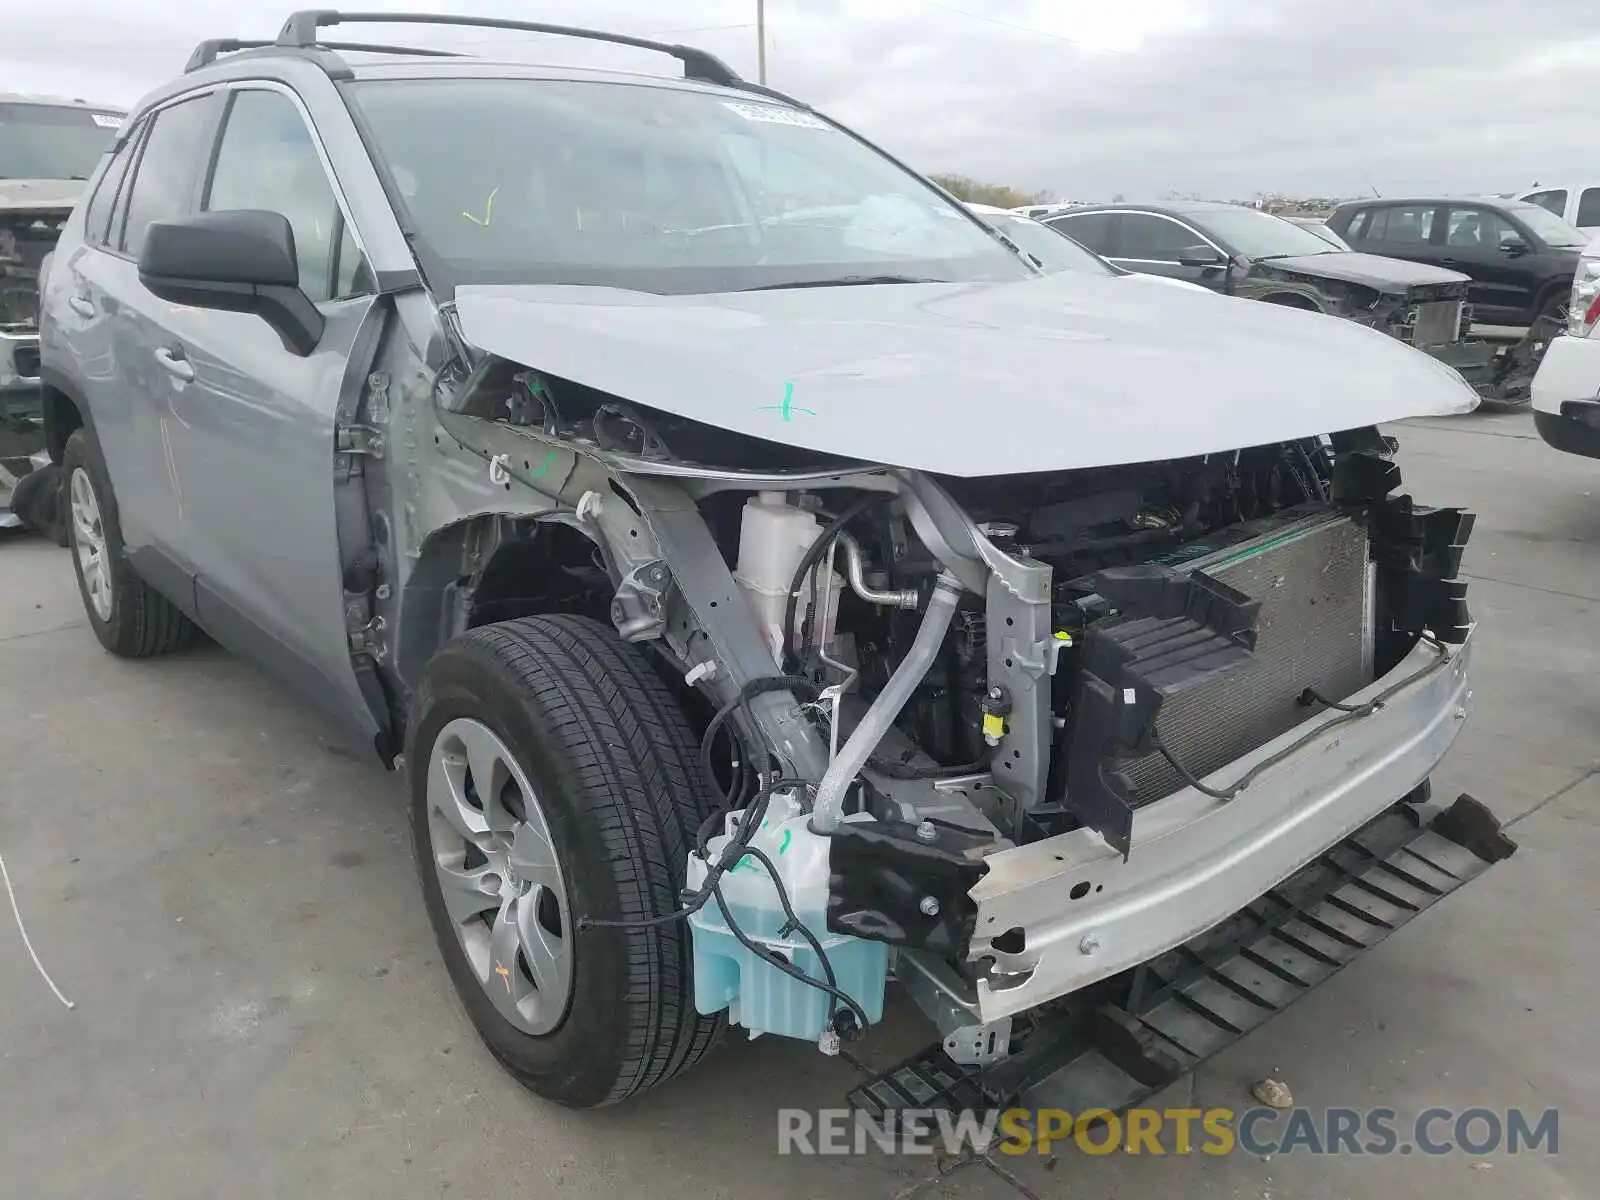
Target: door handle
column 1449, row 262
column 173, row 362
column 81, row 305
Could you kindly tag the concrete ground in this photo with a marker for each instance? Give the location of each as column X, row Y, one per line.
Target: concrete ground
column 229, row 900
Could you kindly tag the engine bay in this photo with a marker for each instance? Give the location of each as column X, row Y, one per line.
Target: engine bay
column 900, row 677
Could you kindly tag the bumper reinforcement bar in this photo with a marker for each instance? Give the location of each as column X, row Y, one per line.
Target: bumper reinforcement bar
column 1119, row 1042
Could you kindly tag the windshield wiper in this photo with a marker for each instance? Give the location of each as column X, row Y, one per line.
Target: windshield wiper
column 841, row 281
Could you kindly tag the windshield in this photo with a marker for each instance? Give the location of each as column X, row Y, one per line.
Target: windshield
column 1549, row 228
column 1054, row 251
column 656, row 189
column 1327, row 235
column 52, row 141
column 1258, row 234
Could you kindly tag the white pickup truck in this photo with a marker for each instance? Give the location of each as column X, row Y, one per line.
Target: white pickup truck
column 1566, row 389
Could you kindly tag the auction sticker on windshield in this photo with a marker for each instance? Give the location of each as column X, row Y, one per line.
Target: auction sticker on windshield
column 776, row 116
column 107, row 120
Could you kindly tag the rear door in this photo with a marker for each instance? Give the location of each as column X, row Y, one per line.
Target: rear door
column 118, row 325
column 256, row 438
column 1476, row 241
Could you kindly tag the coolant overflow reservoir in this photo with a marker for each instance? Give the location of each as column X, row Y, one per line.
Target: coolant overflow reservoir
column 774, row 536
column 756, row 994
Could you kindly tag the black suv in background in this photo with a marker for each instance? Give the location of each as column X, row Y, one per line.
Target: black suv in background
column 1244, row 252
column 1521, row 257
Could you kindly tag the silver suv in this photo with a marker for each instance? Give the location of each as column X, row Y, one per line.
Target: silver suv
column 770, row 583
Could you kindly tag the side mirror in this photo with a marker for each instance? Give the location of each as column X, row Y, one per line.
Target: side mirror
column 1515, row 247
column 1201, row 256
column 237, row 261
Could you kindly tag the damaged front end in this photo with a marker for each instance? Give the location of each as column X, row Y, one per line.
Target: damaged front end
column 1006, row 738
column 1434, row 316
column 26, row 237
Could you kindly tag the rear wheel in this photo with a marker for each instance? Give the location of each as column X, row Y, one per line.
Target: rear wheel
column 129, row 616
column 554, row 777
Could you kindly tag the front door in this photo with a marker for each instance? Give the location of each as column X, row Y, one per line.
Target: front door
column 1476, row 242
column 255, row 435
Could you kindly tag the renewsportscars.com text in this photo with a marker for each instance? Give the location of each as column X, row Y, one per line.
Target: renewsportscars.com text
column 1375, row 1132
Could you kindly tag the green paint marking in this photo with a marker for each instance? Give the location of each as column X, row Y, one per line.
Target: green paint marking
column 488, row 211
column 784, row 845
column 788, row 408
column 549, row 461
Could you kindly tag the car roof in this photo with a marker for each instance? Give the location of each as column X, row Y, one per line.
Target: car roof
column 58, row 102
column 1163, row 206
column 303, row 68
column 1498, row 202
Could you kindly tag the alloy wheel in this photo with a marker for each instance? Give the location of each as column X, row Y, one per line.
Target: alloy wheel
column 89, row 540
column 499, row 875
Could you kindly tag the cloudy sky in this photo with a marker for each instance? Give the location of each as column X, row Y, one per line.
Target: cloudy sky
column 1078, row 98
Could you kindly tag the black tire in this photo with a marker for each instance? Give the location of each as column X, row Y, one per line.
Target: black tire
column 37, row 500
column 142, row 622
column 614, row 764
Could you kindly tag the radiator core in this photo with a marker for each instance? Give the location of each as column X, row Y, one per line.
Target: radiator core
column 1312, row 577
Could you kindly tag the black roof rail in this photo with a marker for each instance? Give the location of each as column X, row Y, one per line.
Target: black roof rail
column 207, row 52
column 300, row 32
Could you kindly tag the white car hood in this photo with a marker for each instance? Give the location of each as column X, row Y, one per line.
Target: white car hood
column 1055, row 373
column 1183, row 285
column 39, row 195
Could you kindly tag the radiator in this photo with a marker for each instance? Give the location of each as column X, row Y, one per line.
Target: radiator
column 1315, row 630
column 1437, row 323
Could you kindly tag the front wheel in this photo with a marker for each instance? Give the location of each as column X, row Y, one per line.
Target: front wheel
column 554, row 777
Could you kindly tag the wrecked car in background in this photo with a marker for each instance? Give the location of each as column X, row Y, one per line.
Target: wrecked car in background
column 1244, row 252
column 1051, row 250
column 764, row 610
column 48, row 148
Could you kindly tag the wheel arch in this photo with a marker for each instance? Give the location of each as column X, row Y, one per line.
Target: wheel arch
column 64, row 412
column 1292, row 300
column 1549, row 290
column 495, row 567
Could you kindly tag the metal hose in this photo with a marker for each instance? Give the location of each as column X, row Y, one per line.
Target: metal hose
column 829, row 808
column 855, row 565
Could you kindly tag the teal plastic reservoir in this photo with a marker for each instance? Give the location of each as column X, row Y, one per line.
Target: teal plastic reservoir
column 756, row 994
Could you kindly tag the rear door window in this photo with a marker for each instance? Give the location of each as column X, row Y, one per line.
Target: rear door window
column 97, row 218
column 1094, row 230
column 163, row 183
